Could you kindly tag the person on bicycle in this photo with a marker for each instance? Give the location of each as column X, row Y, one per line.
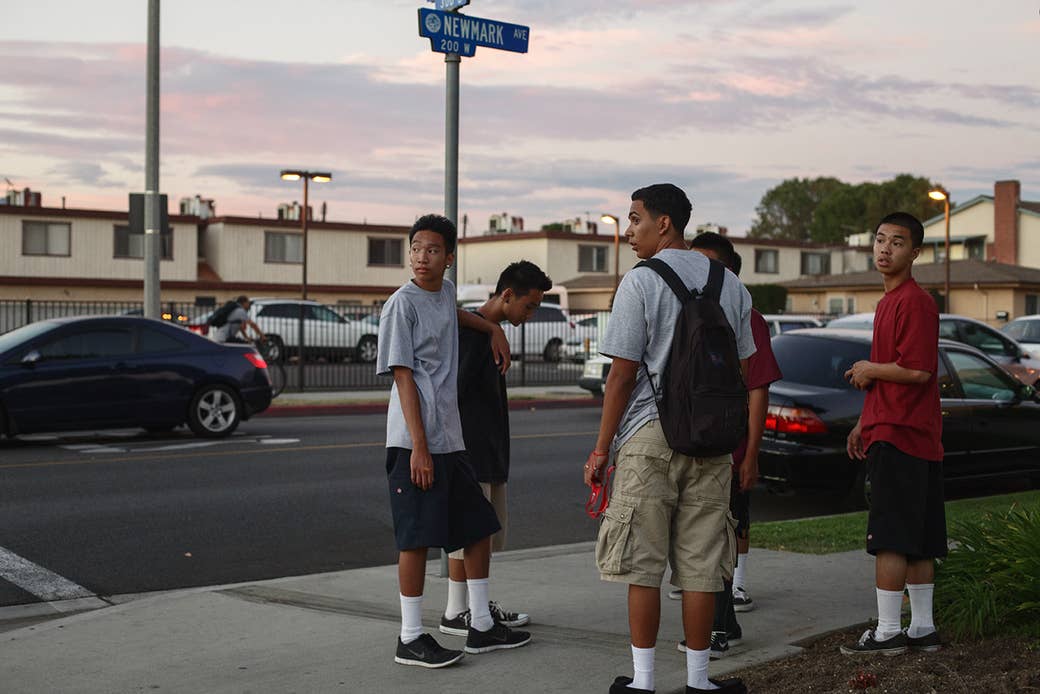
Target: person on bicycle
column 235, row 329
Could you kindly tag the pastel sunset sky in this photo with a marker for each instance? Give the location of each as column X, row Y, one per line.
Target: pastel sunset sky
column 723, row 97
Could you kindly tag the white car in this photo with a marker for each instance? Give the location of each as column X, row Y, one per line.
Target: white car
column 782, row 322
column 544, row 334
column 326, row 333
column 587, row 331
column 1025, row 330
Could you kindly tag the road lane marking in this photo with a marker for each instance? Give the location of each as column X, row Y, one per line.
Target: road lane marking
column 251, row 451
column 33, row 578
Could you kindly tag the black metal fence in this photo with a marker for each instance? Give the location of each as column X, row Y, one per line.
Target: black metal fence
column 339, row 343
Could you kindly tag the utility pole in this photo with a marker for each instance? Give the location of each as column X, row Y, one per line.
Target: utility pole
column 152, row 217
column 451, row 151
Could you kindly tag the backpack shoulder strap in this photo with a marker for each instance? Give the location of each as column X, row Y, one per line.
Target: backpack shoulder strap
column 716, row 276
column 669, row 276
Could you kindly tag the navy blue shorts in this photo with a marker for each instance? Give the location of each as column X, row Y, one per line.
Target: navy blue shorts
column 452, row 514
column 907, row 512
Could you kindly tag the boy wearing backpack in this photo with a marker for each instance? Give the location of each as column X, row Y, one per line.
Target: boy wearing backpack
column 667, row 506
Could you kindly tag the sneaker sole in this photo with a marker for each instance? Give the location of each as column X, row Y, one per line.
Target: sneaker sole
column 420, row 663
column 733, row 643
column 453, row 631
column 717, row 655
column 744, row 608
column 680, row 647
column 511, row 623
column 497, row 647
column 880, row 651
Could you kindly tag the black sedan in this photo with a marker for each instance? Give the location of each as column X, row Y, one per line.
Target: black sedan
column 119, row 371
column 991, row 422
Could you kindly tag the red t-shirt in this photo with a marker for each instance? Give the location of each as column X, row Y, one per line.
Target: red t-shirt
column 906, row 415
column 762, row 368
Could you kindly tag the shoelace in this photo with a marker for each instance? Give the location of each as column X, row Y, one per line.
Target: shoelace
column 600, row 495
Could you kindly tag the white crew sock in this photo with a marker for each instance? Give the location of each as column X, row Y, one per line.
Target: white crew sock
column 411, row 618
column 479, row 614
column 889, row 605
column 697, row 669
column 643, row 668
column 456, row 599
column 738, row 573
column 921, row 623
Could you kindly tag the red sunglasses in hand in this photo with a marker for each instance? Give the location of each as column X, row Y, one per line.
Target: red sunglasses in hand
column 600, row 495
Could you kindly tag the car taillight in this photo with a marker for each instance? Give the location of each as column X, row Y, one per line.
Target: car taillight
column 199, row 329
column 256, row 360
column 793, row 420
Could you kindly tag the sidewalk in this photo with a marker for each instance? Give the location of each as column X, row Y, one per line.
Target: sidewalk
column 318, row 403
column 336, row 632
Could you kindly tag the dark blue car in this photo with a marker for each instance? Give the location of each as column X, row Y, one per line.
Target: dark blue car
column 119, row 371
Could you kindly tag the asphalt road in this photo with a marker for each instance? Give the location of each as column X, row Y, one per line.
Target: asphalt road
column 123, row 512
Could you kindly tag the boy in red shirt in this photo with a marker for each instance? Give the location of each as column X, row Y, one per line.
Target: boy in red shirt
column 899, row 434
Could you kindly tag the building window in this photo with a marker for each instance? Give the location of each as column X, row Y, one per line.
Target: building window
column 767, row 262
column 45, row 238
column 592, row 258
column 386, row 252
column 850, row 305
column 975, row 249
column 816, row 263
column 1032, row 304
column 131, row 245
column 834, row 305
column 283, row 248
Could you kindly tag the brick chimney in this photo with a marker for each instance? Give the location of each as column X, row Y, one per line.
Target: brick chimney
column 1006, row 196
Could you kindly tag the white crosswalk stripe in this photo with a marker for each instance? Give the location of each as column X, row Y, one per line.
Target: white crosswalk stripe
column 33, row 578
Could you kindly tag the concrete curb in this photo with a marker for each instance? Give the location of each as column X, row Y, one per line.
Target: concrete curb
column 380, row 407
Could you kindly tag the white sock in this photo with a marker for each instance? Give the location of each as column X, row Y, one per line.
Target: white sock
column 643, row 668
column 479, row 614
column 889, row 605
column 738, row 573
column 921, row 623
column 411, row 618
column 456, row 599
column 697, row 669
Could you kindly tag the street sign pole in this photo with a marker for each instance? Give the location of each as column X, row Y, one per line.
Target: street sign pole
column 152, row 215
column 452, row 62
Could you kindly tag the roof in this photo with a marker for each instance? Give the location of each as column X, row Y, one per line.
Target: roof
column 62, row 212
column 312, row 225
column 962, row 272
column 609, row 238
column 1027, row 206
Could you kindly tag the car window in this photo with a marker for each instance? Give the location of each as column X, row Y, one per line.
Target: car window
column 981, row 380
column 323, row 314
column 150, row 341
column 793, row 325
column 546, row 314
column 947, row 383
column 817, row 361
column 1023, row 330
column 25, row 333
column 89, row 344
column 948, row 331
column 983, row 339
column 279, row 311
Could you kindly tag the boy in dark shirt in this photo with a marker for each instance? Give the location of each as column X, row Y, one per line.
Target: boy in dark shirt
column 484, row 409
column 899, row 434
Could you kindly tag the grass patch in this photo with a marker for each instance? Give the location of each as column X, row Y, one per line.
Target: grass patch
column 848, row 531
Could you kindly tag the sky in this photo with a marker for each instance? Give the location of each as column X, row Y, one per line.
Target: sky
column 725, row 98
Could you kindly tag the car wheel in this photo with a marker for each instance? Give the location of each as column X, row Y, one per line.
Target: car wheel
column 367, row 349
column 275, row 350
column 215, row 411
column 553, row 350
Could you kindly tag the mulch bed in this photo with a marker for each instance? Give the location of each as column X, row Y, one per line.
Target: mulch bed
column 1006, row 664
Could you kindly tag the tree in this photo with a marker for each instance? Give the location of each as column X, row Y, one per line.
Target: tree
column 786, row 211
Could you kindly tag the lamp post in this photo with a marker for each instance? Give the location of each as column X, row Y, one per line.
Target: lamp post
column 611, row 219
column 307, row 176
column 941, row 193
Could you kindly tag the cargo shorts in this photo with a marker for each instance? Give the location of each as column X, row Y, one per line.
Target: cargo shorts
column 667, row 508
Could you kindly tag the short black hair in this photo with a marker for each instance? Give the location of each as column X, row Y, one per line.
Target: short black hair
column 523, row 276
column 666, row 198
column 737, row 264
column 439, row 224
column 908, row 222
column 243, row 299
column 710, row 241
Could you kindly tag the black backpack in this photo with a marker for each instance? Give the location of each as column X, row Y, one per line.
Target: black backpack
column 221, row 315
column 703, row 403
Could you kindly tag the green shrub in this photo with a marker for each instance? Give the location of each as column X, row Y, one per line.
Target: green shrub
column 768, row 298
column 990, row 582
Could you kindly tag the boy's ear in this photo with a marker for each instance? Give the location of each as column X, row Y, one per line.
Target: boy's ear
column 663, row 223
column 451, row 259
column 508, row 294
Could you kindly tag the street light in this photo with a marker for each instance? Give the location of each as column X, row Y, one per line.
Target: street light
column 611, row 219
column 940, row 193
column 307, row 176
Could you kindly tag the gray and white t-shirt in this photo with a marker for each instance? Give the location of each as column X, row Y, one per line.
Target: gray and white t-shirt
column 643, row 320
column 231, row 329
column 419, row 329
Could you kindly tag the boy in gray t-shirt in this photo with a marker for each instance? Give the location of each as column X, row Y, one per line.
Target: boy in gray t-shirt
column 665, row 507
column 435, row 498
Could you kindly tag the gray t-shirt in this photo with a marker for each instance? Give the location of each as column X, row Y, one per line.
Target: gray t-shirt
column 419, row 329
column 234, row 324
column 643, row 320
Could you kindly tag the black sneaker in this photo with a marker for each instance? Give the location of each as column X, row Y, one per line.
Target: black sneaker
column 457, row 625
column 742, row 602
column 510, row 619
column 929, row 643
column 719, row 645
column 733, row 685
column 499, row 636
column 735, row 637
column 620, row 686
column 425, row 652
column 894, row 645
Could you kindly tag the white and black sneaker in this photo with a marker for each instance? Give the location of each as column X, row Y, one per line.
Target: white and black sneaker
column 457, row 625
column 868, row 643
column 718, row 648
column 425, row 652
column 499, row 636
column 742, row 602
column 509, row 619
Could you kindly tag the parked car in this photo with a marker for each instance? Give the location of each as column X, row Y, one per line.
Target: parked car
column 544, row 334
column 586, row 329
column 1025, row 330
column 999, row 347
column 782, row 322
column 168, row 316
column 117, row 371
column 991, row 422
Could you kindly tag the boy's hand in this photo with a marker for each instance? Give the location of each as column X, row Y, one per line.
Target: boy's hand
column 422, row 469
column 500, row 348
column 748, row 472
column 859, row 375
column 854, row 445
